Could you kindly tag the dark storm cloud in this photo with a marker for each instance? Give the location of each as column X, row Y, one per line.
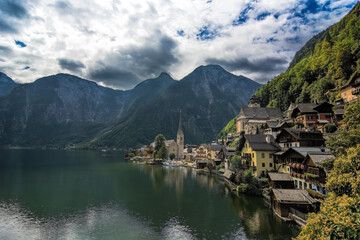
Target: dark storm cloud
column 115, row 77
column 6, row 27
column 151, row 59
column 5, row 50
column 71, row 65
column 264, row 65
column 13, row 9
column 125, row 68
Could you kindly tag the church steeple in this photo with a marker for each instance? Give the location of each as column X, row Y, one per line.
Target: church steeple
column 180, row 125
column 180, row 140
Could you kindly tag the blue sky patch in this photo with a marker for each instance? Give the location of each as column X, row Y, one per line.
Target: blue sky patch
column 181, row 33
column 26, row 68
column 262, row 16
column 205, row 33
column 20, row 43
column 243, row 17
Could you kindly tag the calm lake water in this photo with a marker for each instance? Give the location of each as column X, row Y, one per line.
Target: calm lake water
column 92, row 195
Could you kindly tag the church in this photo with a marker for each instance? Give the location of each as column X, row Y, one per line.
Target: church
column 176, row 147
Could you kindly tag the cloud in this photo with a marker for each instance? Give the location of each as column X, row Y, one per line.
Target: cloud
column 125, row 67
column 119, row 43
column 13, row 9
column 5, row 50
column 114, row 77
column 6, row 28
column 262, row 65
column 71, row 65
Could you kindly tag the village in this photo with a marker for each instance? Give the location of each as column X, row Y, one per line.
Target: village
column 281, row 156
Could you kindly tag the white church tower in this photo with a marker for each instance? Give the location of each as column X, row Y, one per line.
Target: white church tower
column 180, row 141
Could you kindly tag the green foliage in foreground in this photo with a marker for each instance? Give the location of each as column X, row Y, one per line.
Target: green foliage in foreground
column 326, row 62
column 339, row 217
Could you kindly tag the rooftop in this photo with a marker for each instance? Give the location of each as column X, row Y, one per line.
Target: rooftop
column 277, row 176
column 318, row 157
column 258, row 142
column 298, row 196
column 260, row 113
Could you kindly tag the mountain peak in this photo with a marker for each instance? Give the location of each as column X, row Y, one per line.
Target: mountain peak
column 5, row 79
column 164, row 74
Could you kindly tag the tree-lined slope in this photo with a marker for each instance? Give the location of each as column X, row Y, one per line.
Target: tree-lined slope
column 325, row 63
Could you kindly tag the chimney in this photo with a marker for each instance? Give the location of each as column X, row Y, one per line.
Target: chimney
column 267, row 138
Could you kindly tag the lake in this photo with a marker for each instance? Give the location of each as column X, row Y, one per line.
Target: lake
column 50, row 194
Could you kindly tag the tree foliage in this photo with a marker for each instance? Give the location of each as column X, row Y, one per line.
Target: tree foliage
column 162, row 153
column 339, row 216
column 236, row 162
column 348, row 136
column 160, row 149
column 326, row 62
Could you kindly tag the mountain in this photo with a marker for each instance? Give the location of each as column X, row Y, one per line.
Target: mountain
column 208, row 97
column 325, row 63
column 64, row 109
column 57, row 110
column 6, row 84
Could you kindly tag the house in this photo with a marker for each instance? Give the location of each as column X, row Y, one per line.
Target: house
column 289, row 137
column 202, row 164
column 189, row 152
column 225, row 155
column 312, row 115
column 149, row 151
column 292, row 161
column 214, row 150
column 202, row 152
column 280, row 180
column 257, row 153
column 314, row 172
column 292, row 204
column 339, row 116
column 275, row 127
column 351, row 90
column 252, row 119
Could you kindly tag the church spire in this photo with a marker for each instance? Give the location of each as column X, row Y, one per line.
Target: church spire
column 180, row 124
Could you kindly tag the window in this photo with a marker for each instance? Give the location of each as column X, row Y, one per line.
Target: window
column 270, row 155
column 263, row 155
column 270, row 164
column 345, row 94
column 253, row 155
column 263, row 164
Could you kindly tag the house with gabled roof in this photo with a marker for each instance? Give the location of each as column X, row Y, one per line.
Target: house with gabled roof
column 253, row 118
column 314, row 172
column 289, row 137
column 257, row 153
column 350, row 91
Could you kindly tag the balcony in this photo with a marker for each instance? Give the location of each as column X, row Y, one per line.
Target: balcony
column 355, row 91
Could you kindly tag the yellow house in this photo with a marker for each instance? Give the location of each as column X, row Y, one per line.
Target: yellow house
column 257, row 153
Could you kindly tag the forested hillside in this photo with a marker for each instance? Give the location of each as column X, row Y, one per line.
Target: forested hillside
column 325, row 63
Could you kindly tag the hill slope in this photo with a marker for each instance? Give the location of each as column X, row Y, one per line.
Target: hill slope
column 64, row 109
column 325, row 62
column 209, row 97
column 6, row 84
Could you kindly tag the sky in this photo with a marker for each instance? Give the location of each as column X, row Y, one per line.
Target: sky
column 119, row 43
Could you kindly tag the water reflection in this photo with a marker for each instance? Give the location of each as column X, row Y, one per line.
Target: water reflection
column 87, row 195
column 102, row 222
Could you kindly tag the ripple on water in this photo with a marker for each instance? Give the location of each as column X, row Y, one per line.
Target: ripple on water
column 108, row 221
